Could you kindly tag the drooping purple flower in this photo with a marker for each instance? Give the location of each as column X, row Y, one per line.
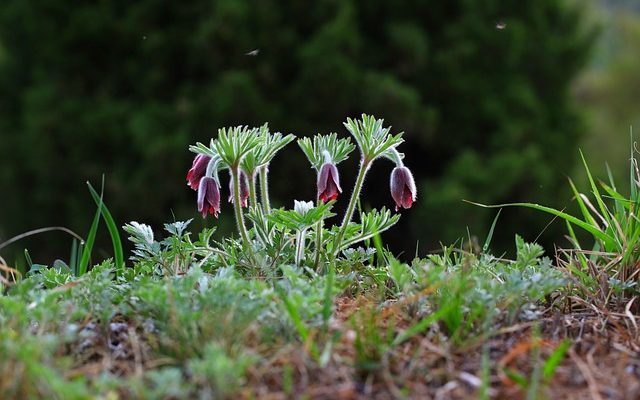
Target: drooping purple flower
column 197, row 171
column 403, row 187
column 244, row 189
column 328, row 182
column 208, row 197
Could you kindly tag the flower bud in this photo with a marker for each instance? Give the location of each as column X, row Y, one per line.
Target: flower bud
column 302, row 207
column 208, row 197
column 403, row 187
column 197, row 171
column 244, row 189
column 328, row 182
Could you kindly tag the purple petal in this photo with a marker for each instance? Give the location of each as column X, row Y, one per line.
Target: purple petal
column 202, row 191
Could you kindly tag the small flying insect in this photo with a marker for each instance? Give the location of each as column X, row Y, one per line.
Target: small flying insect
column 253, row 53
column 500, row 25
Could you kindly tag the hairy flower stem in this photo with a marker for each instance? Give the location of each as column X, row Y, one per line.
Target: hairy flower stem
column 253, row 195
column 364, row 167
column 264, row 189
column 300, row 241
column 319, row 225
column 237, row 205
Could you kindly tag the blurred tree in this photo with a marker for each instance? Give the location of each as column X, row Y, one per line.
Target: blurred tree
column 608, row 91
column 121, row 88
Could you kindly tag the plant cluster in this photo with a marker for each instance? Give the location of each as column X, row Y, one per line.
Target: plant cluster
column 247, row 153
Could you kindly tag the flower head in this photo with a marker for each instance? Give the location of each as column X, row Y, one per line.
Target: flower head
column 197, row 171
column 328, row 182
column 244, row 189
column 208, row 197
column 403, row 187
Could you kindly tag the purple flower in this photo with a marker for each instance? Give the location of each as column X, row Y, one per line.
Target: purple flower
column 403, row 187
column 328, row 182
column 197, row 171
column 244, row 189
column 208, row 197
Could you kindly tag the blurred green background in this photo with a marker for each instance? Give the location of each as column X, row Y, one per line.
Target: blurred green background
column 494, row 96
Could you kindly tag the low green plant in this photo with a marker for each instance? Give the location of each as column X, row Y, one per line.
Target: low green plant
column 218, row 372
column 469, row 294
column 372, row 340
column 199, row 325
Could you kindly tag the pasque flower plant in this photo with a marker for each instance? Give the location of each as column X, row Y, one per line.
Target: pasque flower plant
column 247, row 154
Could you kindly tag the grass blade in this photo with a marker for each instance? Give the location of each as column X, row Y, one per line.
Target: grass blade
column 617, row 197
column 485, row 247
column 516, row 377
column 632, row 167
column 605, row 238
column 118, row 253
column 421, row 326
column 554, row 360
column 596, row 193
column 583, row 207
column 620, row 201
column 91, row 237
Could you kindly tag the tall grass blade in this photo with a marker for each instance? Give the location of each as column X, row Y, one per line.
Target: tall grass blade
column 118, row 253
column 632, row 166
column 604, row 237
column 612, row 190
column 487, row 242
column 583, row 207
column 91, row 237
column 596, row 193
column 617, row 197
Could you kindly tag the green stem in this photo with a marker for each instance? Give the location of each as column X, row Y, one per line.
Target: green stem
column 319, row 225
column 252, row 190
column 318, row 244
column 396, row 157
column 235, row 174
column 300, row 245
column 364, row 167
column 264, row 189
